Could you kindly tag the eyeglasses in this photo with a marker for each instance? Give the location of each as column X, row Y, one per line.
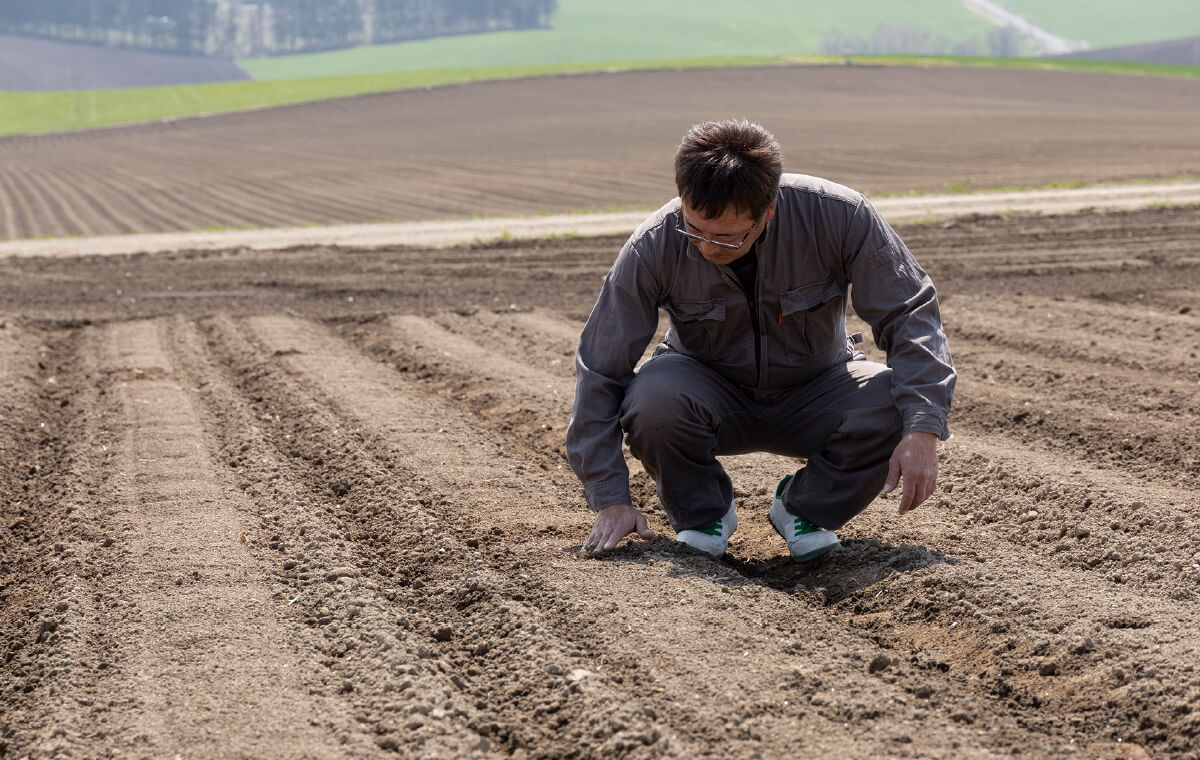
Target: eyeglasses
column 698, row 239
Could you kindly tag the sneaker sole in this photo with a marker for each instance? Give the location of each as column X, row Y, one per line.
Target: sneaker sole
column 815, row 553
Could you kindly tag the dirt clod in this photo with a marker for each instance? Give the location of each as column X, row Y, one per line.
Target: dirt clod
column 341, row 572
column 879, row 662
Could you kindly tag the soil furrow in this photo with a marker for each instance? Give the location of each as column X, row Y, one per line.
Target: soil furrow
column 1129, row 441
column 103, row 215
column 358, row 387
column 10, row 202
column 189, row 642
column 521, row 399
column 1073, row 551
column 68, row 206
column 1095, row 332
column 38, row 212
column 120, row 186
column 53, row 547
column 459, row 611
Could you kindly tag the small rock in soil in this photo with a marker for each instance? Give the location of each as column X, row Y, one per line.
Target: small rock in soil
column 878, row 663
column 340, row 572
column 445, row 633
column 1048, row 669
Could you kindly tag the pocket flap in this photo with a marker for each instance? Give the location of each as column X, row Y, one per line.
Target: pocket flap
column 810, row 297
column 693, row 311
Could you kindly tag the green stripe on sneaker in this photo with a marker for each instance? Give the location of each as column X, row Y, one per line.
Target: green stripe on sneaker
column 712, row 530
column 804, row 527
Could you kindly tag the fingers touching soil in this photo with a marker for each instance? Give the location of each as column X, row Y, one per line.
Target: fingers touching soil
column 315, row 504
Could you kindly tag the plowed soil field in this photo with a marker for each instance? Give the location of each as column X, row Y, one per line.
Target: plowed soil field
column 595, row 142
column 313, row 504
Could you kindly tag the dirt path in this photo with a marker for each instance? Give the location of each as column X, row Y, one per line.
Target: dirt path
column 384, row 429
column 898, row 210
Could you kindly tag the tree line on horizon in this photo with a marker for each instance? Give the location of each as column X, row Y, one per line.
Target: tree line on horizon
column 887, row 39
column 229, row 28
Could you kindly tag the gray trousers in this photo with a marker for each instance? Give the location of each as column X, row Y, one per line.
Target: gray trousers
column 679, row 416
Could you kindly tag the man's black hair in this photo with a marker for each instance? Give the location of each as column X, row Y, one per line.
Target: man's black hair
column 728, row 164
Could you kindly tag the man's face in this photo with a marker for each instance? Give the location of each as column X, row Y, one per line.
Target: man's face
column 730, row 227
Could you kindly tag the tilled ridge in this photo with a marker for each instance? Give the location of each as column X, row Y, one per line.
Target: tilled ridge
column 1001, row 645
column 192, row 661
column 51, row 547
column 436, row 641
column 670, row 627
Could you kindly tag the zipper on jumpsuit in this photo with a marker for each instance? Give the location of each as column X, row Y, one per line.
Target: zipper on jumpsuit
column 752, row 306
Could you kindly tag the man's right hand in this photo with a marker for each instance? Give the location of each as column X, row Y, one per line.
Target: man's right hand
column 614, row 523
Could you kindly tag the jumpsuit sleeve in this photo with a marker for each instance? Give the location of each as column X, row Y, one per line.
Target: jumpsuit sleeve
column 621, row 325
column 895, row 296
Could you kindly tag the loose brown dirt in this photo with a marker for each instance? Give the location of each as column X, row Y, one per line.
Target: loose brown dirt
column 313, row 503
column 594, row 142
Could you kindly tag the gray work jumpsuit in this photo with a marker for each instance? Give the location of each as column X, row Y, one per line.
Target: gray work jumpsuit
column 782, row 377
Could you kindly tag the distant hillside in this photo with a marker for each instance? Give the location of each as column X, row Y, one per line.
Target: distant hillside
column 1185, row 52
column 639, row 30
column 35, row 64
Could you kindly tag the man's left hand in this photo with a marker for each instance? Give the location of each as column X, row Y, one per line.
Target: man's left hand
column 914, row 460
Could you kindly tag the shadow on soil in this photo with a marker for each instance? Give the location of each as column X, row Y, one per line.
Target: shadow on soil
column 857, row 565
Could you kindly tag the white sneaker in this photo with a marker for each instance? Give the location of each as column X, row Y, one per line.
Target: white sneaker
column 804, row 539
column 715, row 538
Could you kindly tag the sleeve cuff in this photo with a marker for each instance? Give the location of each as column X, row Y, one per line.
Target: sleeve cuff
column 926, row 421
column 606, row 493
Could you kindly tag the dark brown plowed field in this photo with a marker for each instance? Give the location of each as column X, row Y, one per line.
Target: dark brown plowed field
column 313, row 503
column 593, row 142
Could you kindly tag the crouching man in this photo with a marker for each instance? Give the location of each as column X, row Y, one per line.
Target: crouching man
column 754, row 269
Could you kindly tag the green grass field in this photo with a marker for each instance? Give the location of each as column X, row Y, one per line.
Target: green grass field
column 37, row 112
column 1109, row 23
column 615, row 30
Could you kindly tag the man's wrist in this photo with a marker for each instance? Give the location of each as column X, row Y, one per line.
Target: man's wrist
column 614, row 506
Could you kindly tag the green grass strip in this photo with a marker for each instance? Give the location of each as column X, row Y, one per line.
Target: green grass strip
column 39, row 112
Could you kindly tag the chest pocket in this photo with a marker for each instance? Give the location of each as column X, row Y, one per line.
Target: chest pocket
column 698, row 325
column 813, row 318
